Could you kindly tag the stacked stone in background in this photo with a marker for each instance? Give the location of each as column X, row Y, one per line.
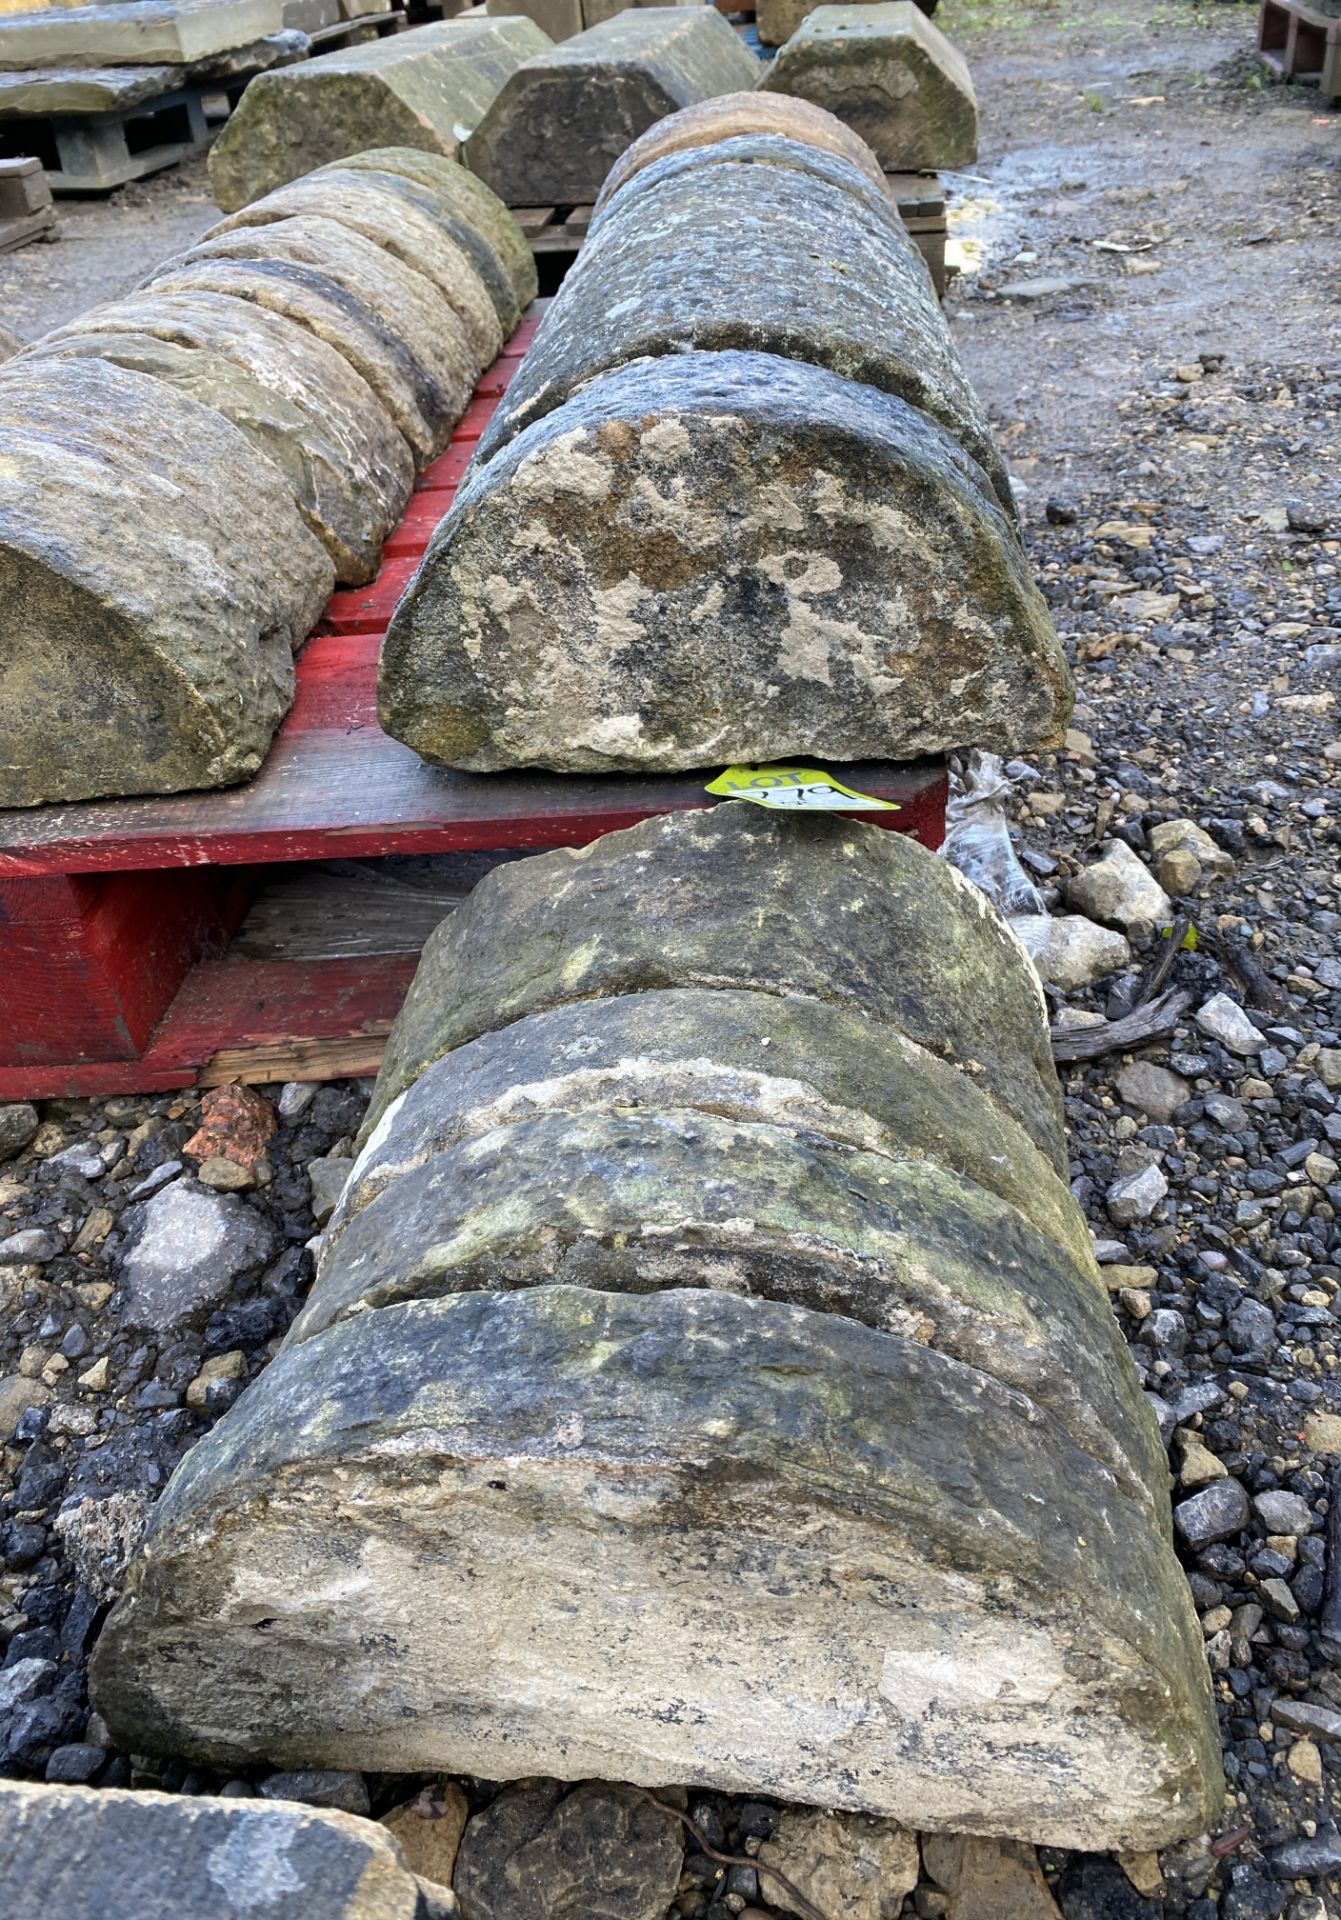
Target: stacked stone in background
column 705, row 1324
column 287, row 376
column 886, row 71
column 563, row 118
column 425, row 89
column 739, row 502
column 134, row 33
column 561, row 19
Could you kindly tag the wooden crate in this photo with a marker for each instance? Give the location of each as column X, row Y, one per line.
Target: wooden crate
column 1301, row 42
column 26, row 210
column 130, row 959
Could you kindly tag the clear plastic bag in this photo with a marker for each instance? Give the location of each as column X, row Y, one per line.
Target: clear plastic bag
column 978, row 840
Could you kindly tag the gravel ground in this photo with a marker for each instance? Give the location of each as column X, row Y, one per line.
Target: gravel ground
column 1149, row 310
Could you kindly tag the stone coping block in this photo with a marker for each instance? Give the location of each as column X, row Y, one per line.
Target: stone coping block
column 716, row 248
column 891, row 75
column 664, row 904
column 563, row 118
column 138, row 33
column 83, row 1853
column 726, row 118
column 499, row 1533
column 428, row 89
column 711, row 558
column 125, row 508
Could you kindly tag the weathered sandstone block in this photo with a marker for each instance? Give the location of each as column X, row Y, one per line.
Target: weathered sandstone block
column 427, row 88
column 735, row 896
column 351, row 467
column 741, row 1054
column 890, row 75
column 719, row 248
column 471, row 212
column 716, row 557
column 425, row 339
column 138, row 33
column 315, row 467
column 82, row 1854
column 557, row 19
column 562, row 119
column 501, row 1533
column 637, row 1202
column 731, row 115
column 157, row 577
column 381, row 215
column 374, row 349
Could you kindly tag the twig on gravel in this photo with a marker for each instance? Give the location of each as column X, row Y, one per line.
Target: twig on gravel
column 1156, row 975
column 797, row 1899
column 1154, row 1021
column 1255, row 983
column 1329, row 1615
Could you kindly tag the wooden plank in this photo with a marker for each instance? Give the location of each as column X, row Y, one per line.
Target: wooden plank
column 350, row 791
column 353, row 1059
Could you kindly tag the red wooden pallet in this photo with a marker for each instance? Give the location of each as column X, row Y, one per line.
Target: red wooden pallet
column 116, row 915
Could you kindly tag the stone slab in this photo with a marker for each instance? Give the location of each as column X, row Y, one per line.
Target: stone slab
column 104, row 1854
column 428, row 88
column 562, row 119
column 558, row 19
column 159, row 576
column 891, row 75
column 717, row 558
column 739, row 246
column 502, row 1533
column 138, row 33
column 730, row 115
column 667, row 904
column 376, row 467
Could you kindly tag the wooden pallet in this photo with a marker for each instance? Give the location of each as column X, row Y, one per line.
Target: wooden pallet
column 1300, row 42
column 96, row 152
column 557, row 233
column 357, row 32
column 26, row 211
column 124, row 924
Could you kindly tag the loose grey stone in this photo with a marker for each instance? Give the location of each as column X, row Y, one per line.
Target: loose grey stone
column 1070, row 951
column 715, row 248
column 719, row 557
column 327, row 1179
column 17, row 1394
column 537, row 1852
column 186, row 1249
column 1120, row 891
column 1148, row 1088
column 137, row 33
column 1305, row 1716
column 694, row 1463
column 175, row 684
column 662, row 905
column 18, row 1123
column 887, row 73
column 848, row 1866
column 24, row 1681
column 562, row 119
column 1134, row 1196
column 103, row 1854
column 295, row 1097
column 1283, row 1512
column 346, row 1792
column 1224, row 1020
column 30, row 1244
column 1218, row 1512
column 427, row 89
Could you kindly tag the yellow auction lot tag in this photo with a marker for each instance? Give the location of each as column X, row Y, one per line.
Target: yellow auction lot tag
column 795, row 789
